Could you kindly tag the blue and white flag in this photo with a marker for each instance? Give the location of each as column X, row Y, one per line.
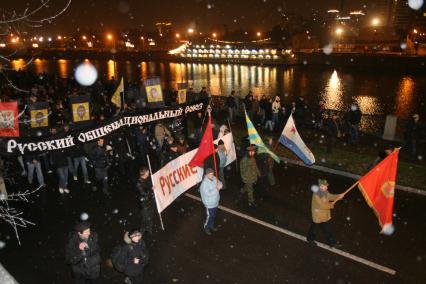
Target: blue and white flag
column 291, row 139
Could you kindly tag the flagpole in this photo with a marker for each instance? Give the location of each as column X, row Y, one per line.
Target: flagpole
column 236, row 158
column 214, row 152
column 124, row 100
column 346, row 191
column 155, row 194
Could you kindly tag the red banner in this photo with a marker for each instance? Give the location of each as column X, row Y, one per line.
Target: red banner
column 9, row 121
column 378, row 188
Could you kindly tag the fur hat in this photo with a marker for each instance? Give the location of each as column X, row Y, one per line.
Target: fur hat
column 134, row 231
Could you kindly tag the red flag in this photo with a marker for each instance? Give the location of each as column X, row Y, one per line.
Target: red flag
column 378, row 188
column 206, row 147
column 9, row 121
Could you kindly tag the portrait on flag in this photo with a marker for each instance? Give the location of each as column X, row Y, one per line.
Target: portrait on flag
column 181, row 96
column 9, row 124
column 39, row 114
column 80, row 112
column 154, row 94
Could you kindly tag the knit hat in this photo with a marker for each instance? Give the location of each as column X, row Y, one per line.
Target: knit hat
column 322, row 182
column 209, row 171
column 82, row 226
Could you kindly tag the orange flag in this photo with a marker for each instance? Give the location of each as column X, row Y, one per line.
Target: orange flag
column 378, row 188
column 206, row 147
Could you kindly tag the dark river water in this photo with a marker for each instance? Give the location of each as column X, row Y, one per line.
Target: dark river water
column 377, row 92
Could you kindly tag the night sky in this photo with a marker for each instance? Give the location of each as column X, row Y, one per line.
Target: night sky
column 200, row 14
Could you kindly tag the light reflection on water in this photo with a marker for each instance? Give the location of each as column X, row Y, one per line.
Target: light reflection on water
column 376, row 93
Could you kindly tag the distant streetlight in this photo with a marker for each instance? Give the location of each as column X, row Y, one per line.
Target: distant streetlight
column 258, row 34
column 190, row 30
column 375, row 22
column 84, row 37
column 339, row 31
column 177, row 35
column 59, row 37
column 415, row 31
column 214, row 35
column 109, row 36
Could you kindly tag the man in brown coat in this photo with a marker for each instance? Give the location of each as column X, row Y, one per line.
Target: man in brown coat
column 322, row 203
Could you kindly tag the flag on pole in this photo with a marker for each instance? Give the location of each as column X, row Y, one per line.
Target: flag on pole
column 291, row 139
column 378, row 188
column 206, row 147
column 116, row 97
column 256, row 140
column 9, row 121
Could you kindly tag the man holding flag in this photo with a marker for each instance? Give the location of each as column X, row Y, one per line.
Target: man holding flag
column 321, row 213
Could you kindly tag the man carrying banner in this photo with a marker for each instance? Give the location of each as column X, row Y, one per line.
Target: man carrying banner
column 321, row 213
column 210, row 196
column 249, row 173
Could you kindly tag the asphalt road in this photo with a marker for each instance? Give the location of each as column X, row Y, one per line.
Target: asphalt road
column 242, row 251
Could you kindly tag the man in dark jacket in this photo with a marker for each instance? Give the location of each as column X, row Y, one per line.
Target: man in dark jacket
column 135, row 256
column 353, row 119
column 99, row 157
column 60, row 162
column 232, row 106
column 83, row 254
column 145, row 197
column 413, row 133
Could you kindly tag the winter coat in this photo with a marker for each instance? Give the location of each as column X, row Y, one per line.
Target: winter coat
column 321, row 207
column 209, row 193
column 413, row 131
column 59, row 158
column 169, row 156
column 84, row 263
column 99, row 157
column 354, row 117
column 262, row 161
column 145, row 194
column 230, row 102
column 222, row 157
column 134, row 250
column 249, row 170
column 161, row 131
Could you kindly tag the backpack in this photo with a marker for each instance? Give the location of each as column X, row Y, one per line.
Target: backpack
column 118, row 258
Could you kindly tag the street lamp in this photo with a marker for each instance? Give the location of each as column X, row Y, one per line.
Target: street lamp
column 177, row 35
column 339, row 31
column 109, row 36
column 415, row 31
column 214, row 35
column 84, row 37
column 258, row 34
column 190, row 31
column 375, row 22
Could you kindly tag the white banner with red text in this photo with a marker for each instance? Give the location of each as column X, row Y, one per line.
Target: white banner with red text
column 177, row 176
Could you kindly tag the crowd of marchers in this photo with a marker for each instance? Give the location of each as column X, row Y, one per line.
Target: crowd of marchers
column 161, row 142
